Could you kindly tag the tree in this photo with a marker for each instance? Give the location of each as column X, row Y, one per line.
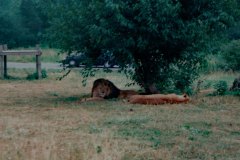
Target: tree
column 9, row 22
column 32, row 20
column 22, row 22
column 154, row 36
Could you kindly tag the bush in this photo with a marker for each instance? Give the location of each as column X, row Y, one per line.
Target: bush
column 231, row 54
column 179, row 77
column 221, row 88
column 34, row 75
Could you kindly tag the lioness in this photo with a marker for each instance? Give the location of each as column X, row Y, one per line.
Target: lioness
column 156, row 99
column 105, row 89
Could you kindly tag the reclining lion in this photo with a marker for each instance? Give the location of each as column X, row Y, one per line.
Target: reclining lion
column 156, row 99
column 105, row 89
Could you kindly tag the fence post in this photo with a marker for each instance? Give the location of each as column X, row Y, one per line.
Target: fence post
column 1, row 63
column 38, row 62
column 5, row 61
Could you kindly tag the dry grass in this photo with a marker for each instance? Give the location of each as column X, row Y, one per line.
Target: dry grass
column 44, row 120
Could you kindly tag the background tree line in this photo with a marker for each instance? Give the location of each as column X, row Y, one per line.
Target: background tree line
column 22, row 22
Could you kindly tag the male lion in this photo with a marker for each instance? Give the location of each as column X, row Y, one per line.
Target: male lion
column 156, row 99
column 105, row 89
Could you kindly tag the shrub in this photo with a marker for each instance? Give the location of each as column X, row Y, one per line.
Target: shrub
column 179, row 77
column 44, row 73
column 221, row 87
column 34, row 75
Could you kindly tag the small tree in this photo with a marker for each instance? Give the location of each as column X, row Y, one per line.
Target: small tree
column 151, row 35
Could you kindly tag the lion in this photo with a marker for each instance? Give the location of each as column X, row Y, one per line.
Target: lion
column 156, row 99
column 105, row 89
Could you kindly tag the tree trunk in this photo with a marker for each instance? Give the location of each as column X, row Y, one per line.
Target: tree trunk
column 151, row 89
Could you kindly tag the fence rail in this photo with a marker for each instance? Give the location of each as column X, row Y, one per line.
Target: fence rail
column 4, row 52
column 20, row 52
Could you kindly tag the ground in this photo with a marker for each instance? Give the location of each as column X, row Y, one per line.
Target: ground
column 44, row 119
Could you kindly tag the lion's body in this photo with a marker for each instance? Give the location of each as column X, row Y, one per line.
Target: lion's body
column 105, row 89
column 156, row 99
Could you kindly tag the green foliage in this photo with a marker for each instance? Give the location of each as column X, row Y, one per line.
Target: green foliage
column 151, row 36
column 179, row 76
column 214, row 63
column 44, row 73
column 233, row 93
column 34, row 75
column 231, row 54
column 22, row 23
column 221, row 87
column 234, row 32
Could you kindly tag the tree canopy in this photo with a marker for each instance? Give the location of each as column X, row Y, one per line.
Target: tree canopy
column 151, row 35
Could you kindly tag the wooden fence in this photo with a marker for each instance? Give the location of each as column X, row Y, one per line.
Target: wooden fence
column 4, row 52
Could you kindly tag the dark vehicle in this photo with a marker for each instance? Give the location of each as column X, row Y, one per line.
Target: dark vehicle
column 80, row 59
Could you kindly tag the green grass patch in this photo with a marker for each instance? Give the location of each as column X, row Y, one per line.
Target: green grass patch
column 69, row 99
column 235, row 133
column 152, row 135
column 195, row 132
column 93, row 129
column 134, row 127
column 123, row 121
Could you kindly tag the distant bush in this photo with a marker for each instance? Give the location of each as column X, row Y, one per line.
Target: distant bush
column 221, row 88
column 34, row 75
column 231, row 54
column 44, row 73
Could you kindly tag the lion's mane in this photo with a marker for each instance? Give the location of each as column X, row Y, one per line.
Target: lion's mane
column 105, row 89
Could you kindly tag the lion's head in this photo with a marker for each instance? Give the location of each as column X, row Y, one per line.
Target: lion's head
column 105, row 89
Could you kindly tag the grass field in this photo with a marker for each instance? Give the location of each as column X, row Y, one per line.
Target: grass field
column 44, row 120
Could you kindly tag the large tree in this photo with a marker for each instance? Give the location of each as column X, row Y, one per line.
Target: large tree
column 151, row 35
